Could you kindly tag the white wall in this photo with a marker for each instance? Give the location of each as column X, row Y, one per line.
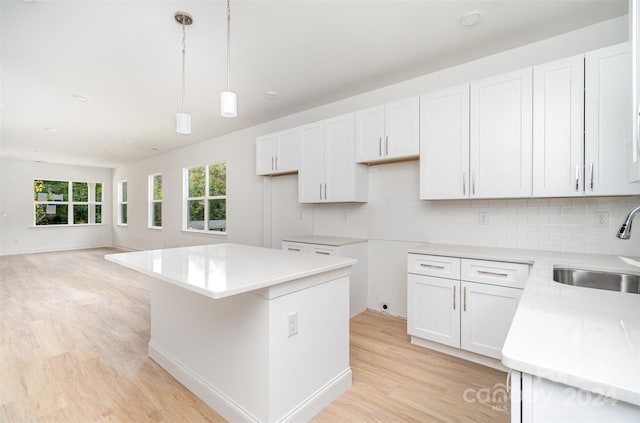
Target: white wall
column 17, row 232
column 261, row 211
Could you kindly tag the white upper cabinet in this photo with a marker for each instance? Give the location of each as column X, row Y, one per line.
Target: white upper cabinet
column 328, row 171
column 558, row 117
column 608, row 134
column 444, row 144
column 634, row 162
column 277, row 153
column 388, row 132
column 501, row 136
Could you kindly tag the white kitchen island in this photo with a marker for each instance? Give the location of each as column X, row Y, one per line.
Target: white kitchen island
column 258, row 334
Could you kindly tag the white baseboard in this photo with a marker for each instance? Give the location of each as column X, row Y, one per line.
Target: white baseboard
column 52, row 249
column 233, row 411
column 456, row 352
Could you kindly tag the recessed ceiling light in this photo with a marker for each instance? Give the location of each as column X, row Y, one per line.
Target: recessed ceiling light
column 155, row 148
column 471, row 18
column 80, row 97
column 51, row 130
column 128, row 142
column 271, row 95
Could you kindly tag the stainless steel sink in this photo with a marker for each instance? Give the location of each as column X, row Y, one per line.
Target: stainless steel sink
column 621, row 282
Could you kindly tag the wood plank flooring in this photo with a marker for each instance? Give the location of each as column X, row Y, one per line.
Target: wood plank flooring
column 74, row 330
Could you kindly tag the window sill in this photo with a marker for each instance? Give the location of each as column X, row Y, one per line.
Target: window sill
column 68, row 226
column 196, row 232
column 155, row 228
column 124, row 225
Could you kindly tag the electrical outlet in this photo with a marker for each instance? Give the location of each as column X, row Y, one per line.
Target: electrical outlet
column 483, row 218
column 293, row 324
column 385, row 308
column 601, row 220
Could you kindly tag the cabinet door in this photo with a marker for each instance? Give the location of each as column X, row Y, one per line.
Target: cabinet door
column 312, row 158
column 501, row 132
column 433, row 309
column 608, row 134
column 265, row 154
column 444, row 144
column 340, row 166
column 558, row 134
column 369, row 134
column 287, row 152
column 487, row 312
column 634, row 15
column 402, row 129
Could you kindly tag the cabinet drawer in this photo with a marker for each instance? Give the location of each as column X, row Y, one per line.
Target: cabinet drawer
column 443, row 267
column 295, row 246
column 324, row 250
column 512, row 275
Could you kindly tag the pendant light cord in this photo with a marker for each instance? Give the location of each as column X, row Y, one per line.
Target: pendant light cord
column 184, row 44
column 228, row 42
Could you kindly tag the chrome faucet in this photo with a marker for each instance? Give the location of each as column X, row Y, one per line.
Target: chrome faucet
column 625, row 230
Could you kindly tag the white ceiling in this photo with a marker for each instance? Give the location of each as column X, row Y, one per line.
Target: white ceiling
column 125, row 56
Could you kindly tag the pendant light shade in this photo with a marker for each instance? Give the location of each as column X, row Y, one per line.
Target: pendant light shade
column 228, row 104
column 183, row 120
column 183, row 123
column 228, row 99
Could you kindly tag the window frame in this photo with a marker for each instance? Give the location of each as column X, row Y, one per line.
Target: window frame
column 91, row 203
column 121, row 203
column 206, row 198
column 153, row 201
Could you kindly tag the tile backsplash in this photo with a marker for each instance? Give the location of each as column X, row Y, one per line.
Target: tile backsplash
column 394, row 212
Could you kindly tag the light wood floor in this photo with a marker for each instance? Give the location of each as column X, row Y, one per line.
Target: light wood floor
column 74, row 330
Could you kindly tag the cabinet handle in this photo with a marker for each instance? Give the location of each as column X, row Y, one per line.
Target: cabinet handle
column 509, row 381
column 464, row 183
column 431, row 265
column 276, row 162
column 325, row 191
column 591, row 176
column 638, row 135
column 577, row 177
column 293, row 249
column 464, row 295
column 485, row 272
column 321, row 191
column 323, row 253
column 380, row 146
column 386, row 145
column 473, row 183
column 454, row 297
column 272, row 167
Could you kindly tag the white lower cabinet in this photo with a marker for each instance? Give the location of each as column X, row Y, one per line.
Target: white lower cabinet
column 341, row 247
column 535, row 399
column 446, row 307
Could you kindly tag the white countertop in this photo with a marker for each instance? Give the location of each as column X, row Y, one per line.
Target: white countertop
column 334, row 241
column 223, row 270
column 582, row 337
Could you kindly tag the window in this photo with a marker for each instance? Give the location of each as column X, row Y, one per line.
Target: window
column 67, row 202
column 122, row 203
column 155, row 201
column 206, row 198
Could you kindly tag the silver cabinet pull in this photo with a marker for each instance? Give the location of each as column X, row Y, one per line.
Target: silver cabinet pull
column 454, row 297
column 486, row 272
column 464, row 183
column 577, row 177
column 431, row 265
column 386, row 145
column 464, row 294
column 321, row 191
column 325, row 191
column 591, row 176
column 473, row 183
column 380, row 146
column 323, row 253
column 272, row 167
column 293, row 249
column 276, row 162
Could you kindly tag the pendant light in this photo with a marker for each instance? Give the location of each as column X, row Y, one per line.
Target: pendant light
column 183, row 120
column 228, row 99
